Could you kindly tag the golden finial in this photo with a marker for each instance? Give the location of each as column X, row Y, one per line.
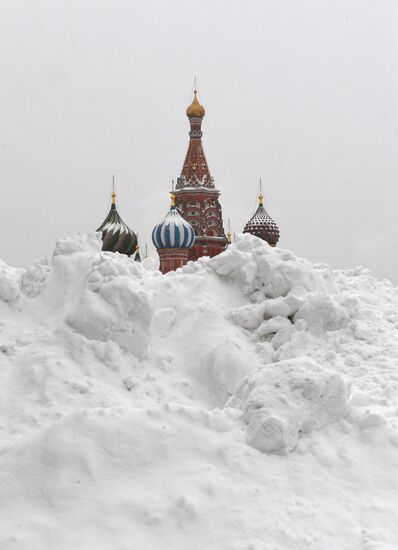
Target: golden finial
column 113, row 190
column 172, row 196
column 137, row 246
column 260, row 197
column 229, row 232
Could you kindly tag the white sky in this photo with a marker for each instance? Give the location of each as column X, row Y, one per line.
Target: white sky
column 303, row 93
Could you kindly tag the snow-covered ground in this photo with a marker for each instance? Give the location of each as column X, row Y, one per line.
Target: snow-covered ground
column 247, row 402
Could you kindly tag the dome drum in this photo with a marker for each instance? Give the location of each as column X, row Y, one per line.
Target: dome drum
column 172, row 258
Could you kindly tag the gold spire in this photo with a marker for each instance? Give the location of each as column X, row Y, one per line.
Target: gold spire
column 229, row 232
column 195, row 110
column 172, row 196
column 137, row 246
column 260, row 197
column 113, row 190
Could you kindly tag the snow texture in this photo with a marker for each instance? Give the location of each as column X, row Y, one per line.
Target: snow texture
column 244, row 402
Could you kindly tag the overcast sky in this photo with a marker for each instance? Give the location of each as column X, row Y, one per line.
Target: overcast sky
column 302, row 93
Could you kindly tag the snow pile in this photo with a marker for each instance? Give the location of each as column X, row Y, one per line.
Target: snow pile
column 9, row 282
column 286, row 399
column 245, row 402
column 113, row 306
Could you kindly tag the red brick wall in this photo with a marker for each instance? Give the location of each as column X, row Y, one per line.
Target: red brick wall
column 203, row 211
column 172, row 258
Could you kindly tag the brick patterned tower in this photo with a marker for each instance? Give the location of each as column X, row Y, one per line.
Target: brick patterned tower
column 196, row 196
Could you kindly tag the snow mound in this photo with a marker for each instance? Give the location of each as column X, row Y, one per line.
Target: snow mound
column 274, row 271
column 250, row 399
column 112, row 462
column 287, row 399
column 9, row 283
column 114, row 306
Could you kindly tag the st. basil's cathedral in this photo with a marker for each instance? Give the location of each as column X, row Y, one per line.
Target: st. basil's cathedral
column 193, row 227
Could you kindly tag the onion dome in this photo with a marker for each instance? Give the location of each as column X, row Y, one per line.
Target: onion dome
column 261, row 225
column 173, row 231
column 116, row 235
column 195, row 110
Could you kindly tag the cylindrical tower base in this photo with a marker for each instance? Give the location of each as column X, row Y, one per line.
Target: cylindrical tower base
column 172, row 258
column 207, row 246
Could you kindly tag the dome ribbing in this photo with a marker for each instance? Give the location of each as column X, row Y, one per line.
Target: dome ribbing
column 173, row 231
column 116, row 235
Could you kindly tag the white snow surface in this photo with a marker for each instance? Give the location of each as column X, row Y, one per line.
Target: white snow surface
column 244, row 402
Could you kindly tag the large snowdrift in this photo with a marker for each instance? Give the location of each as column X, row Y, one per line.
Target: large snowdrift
column 245, row 402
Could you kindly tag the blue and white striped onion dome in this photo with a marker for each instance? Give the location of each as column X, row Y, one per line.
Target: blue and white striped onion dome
column 173, row 231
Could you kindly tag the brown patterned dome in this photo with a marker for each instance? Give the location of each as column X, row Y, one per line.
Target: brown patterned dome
column 261, row 225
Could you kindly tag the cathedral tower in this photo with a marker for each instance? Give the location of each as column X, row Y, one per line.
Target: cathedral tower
column 195, row 194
